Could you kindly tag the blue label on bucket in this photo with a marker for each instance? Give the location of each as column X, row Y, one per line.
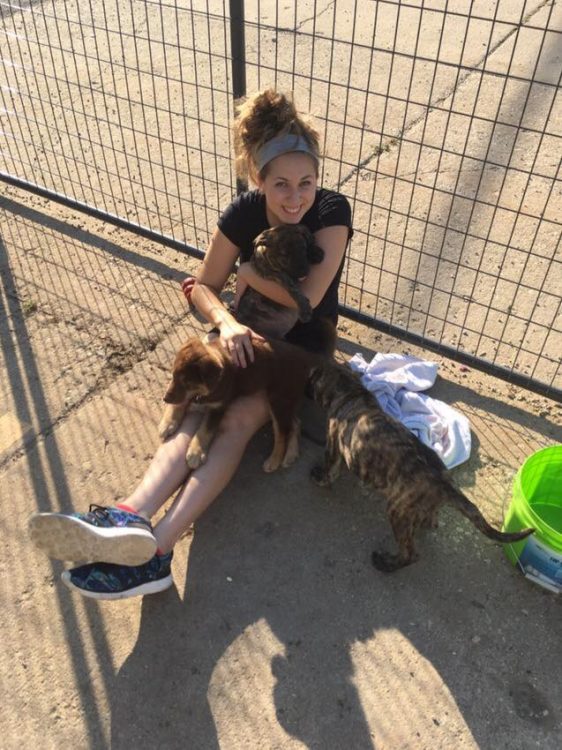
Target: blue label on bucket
column 542, row 564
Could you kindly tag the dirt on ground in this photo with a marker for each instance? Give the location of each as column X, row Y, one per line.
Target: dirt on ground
column 278, row 632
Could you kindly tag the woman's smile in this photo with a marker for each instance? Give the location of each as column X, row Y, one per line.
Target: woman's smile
column 289, row 187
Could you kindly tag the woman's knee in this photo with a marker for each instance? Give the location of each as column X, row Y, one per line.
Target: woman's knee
column 181, row 438
column 245, row 416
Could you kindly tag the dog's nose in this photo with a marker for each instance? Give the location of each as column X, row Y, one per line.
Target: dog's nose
column 171, row 397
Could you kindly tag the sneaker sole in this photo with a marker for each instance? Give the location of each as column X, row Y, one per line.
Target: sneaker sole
column 66, row 538
column 154, row 587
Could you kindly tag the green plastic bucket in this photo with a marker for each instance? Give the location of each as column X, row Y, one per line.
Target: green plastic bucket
column 537, row 502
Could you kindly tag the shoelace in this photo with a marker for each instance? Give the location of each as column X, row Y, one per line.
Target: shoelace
column 100, row 512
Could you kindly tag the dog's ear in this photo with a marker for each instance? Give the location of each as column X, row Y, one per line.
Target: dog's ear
column 209, row 371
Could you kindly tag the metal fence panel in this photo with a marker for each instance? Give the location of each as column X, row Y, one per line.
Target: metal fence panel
column 442, row 122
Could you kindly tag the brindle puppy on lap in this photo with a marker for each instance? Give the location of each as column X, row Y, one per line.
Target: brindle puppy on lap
column 283, row 254
column 387, row 456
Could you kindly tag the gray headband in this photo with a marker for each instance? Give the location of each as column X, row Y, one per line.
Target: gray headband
column 282, row 144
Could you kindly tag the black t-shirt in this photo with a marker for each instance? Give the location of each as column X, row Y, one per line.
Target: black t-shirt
column 246, row 217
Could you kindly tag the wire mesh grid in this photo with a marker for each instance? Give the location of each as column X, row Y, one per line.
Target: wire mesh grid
column 441, row 121
column 122, row 106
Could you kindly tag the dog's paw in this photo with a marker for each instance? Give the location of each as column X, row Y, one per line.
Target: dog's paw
column 291, row 454
column 270, row 464
column 195, row 458
column 290, row 458
column 319, row 475
column 167, row 428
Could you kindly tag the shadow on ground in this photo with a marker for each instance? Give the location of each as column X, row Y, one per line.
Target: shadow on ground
column 296, row 564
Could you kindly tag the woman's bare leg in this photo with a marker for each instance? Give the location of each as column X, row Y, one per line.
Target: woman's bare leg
column 168, row 469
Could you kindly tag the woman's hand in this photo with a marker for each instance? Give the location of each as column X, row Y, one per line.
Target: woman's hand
column 216, row 268
column 237, row 340
column 187, row 287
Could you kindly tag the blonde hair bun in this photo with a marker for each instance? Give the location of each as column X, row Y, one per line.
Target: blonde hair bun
column 260, row 118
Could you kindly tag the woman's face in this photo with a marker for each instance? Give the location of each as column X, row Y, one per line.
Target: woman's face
column 289, row 187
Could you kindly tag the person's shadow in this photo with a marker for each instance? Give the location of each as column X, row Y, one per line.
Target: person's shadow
column 268, row 637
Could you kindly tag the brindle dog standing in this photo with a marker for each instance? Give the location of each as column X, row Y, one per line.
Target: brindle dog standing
column 388, row 457
column 283, row 254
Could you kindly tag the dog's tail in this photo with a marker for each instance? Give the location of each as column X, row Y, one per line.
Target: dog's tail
column 470, row 511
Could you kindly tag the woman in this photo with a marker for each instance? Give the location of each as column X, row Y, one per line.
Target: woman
column 279, row 150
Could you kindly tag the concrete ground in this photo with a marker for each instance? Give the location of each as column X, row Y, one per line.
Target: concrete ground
column 278, row 633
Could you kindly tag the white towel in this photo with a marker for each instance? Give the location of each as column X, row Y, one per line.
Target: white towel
column 396, row 380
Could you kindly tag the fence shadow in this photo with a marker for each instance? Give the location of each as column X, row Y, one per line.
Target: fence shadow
column 49, row 267
column 29, row 399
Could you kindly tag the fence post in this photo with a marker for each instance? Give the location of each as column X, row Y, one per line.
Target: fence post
column 238, row 48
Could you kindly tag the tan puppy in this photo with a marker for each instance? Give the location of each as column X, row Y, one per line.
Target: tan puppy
column 204, row 374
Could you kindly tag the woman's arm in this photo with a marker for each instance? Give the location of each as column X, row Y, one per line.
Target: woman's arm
column 333, row 241
column 216, row 268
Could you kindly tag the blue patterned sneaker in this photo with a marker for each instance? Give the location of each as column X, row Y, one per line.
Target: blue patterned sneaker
column 106, row 581
column 109, row 535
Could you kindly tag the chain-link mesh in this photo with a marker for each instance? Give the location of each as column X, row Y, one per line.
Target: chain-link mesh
column 442, row 123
